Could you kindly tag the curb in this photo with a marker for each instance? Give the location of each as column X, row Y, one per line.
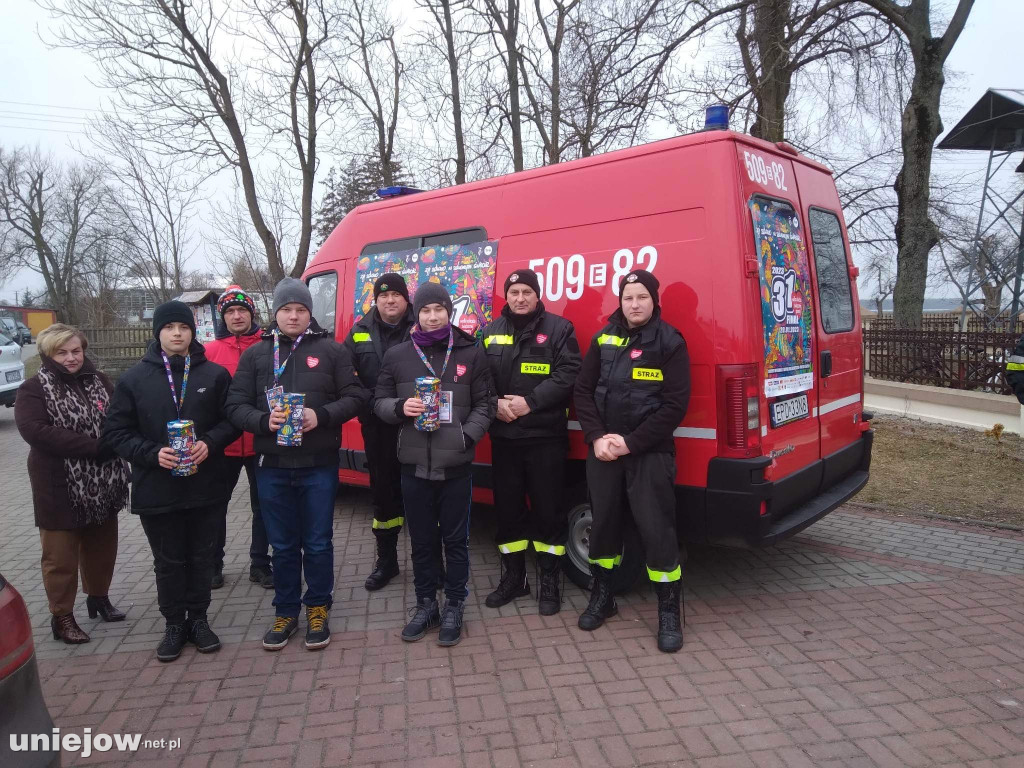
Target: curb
column 934, row 516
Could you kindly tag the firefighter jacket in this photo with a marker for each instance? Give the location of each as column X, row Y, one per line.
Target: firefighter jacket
column 1015, row 370
column 635, row 383
column 367, row 342
column 539, row 362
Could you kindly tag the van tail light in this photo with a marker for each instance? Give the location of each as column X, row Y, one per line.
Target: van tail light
column 16, row 638
column 739, row 411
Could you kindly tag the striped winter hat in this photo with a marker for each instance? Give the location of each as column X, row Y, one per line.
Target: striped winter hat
column 234, row 296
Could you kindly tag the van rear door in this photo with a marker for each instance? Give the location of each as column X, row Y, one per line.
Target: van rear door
column 786, row 344
column 837, row 322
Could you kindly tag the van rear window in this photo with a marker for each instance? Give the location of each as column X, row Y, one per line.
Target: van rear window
column 834, row 293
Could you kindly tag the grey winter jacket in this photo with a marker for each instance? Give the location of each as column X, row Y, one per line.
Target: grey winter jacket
column 448, row 451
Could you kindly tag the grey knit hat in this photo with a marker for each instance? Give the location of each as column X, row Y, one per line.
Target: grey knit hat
column 291, row 290
column 431, row 293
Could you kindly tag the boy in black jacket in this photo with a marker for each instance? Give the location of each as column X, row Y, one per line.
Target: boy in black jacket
column 437, row 466
column 180, row 515
column 297, row 483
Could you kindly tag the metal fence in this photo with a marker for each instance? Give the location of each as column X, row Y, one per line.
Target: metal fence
column 973, row 360
column 950, row 321
column 115, row 350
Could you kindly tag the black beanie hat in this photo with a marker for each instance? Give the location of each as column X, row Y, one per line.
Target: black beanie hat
column 173, row 312
column 523, row 277
column 645, row 278
column 431, row 293
column 390, row 281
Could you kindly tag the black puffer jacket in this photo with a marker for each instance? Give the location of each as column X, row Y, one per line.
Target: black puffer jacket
column 447, row 452
column 322, row 370
column 1015, row 370
column 136, row 429
column 539, row 362
column 635, row 383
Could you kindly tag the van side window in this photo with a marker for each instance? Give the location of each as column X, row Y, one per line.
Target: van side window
column 833, row 272
column 324, row 288
column 454, row 237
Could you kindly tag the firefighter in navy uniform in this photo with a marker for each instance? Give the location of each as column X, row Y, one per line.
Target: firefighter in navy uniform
column 1015, row 370
column 631, row 394
column 386, row 325
column 534, row 358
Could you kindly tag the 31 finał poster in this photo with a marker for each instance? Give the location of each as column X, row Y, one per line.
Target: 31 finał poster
column 467, row 271
column 785, row 298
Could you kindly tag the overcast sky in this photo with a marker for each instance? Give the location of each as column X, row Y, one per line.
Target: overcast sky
column 45, row 95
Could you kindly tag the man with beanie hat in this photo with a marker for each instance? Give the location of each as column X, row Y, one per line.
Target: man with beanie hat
column 297, row 483
column 181, row 515
column 386, row 324
column 631, row 394
column 239, row 331
column 437, row 454
column 534, row 358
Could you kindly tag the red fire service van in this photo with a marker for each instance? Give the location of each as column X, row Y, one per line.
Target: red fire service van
column 748, row 241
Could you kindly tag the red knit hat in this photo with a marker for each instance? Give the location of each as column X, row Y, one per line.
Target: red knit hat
column 234, row 296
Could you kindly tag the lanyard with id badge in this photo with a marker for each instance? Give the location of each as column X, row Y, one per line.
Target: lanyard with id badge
column 437, row 402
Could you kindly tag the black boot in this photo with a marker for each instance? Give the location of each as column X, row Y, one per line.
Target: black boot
column 199, row 633
column 513, row 581
column 670, row 631
column 175, row 637
column 425, row 615
column 451, row 623
column 386, row 567
column 602, row 605
column 549, row 598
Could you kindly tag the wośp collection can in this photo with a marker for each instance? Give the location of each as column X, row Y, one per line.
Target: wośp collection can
column 428, row 389
column 181, row 436
column 291, row 431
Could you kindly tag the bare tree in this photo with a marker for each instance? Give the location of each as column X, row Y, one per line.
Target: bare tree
column 921, row 124
column 52, row 221
column 175, row 65
column 154, row 203
column 443, row 13
column 504, row 19
column 372, row 73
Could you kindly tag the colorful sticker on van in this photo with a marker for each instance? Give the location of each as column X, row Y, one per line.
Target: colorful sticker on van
column 785, row 298
column 467, row 271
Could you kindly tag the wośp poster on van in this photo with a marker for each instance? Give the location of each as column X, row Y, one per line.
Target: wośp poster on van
column 467, row 271
column 785, row 298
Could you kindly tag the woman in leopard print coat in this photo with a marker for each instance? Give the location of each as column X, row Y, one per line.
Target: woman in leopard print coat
column 77, row 488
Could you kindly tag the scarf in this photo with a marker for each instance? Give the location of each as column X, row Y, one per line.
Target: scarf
column 430, row 338
column 96, row 490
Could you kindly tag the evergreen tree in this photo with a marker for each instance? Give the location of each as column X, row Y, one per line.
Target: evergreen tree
column 356, row 184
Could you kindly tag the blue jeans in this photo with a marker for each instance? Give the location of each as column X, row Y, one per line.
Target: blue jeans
column 431, row 505
column 298, row 512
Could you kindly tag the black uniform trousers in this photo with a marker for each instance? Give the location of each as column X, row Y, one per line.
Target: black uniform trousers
column 259, row 545
column 381, row 443
column 643, row 486
column 183, row 544
column 530, row 469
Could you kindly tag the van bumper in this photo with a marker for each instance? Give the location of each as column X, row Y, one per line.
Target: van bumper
column 736, row 489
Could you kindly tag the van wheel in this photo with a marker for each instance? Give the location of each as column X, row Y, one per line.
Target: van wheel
column 577, row 564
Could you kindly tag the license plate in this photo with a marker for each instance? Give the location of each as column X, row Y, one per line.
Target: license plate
column 791, row 409
column 13, row 376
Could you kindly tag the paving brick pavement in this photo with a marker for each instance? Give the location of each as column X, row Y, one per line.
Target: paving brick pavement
column 865, row 641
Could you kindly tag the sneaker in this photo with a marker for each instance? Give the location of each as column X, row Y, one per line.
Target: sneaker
column 201, row 636
column 424, row 616
column 451, row 623
column 262, row 575
column 218, row 578
column 277, row 637
column 174, row 640
column 318, row 634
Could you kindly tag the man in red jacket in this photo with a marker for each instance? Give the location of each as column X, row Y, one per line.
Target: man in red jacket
column 239, row 332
